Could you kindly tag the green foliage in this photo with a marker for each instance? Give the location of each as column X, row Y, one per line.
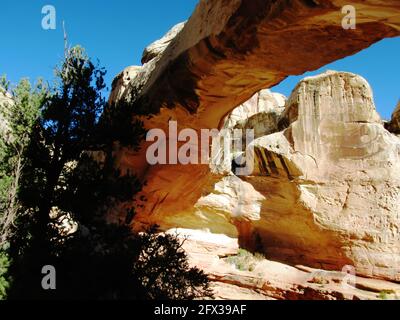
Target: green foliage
column 62, row 133
column 387, row 295
column 18, row 119
column 70, row 174
column 115, row 125
column 162, row 269
column 107, row 261
column 65, row 129
column 4, row 84
column 245, row 260
column 4, row 265
column 383, row 295
column 24, row 112
column 70, row 116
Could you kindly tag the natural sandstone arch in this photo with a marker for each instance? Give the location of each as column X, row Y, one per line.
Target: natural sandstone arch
column 226, row 52
column 230, row 49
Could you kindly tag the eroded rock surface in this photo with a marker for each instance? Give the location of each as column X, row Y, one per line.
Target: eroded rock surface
column 270, row 280
column 121, row 82
column 333, row 195
column 325, row 191
column 229, row 50
column 157, row 48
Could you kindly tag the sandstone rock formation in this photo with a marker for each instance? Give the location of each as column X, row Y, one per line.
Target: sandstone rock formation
column 121, row 82
column 228, row 50
column 270, row 280
column 150, row 56
column 324, row 192
column 157, row 48
column 330, row 179
column 260, row 113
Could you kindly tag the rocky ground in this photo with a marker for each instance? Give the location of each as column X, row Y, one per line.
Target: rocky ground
column 270, row 280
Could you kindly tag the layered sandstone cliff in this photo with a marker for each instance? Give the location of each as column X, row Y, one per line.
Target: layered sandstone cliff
column 324, row 191
column 330, row 182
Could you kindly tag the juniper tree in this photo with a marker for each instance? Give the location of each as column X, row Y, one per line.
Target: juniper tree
column 18, row 113
column 63, row 174
column 65, row 129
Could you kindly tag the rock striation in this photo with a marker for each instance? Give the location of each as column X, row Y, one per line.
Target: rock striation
column 229, row 50
column 324, row 191
column 271, row 280
column 157, row 48
column 330, row 181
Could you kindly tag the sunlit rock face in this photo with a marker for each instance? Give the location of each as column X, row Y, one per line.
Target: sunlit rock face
column 324, row 191
column 155, row 49
column 208, row 197
column 330, row 182
column 229, row 50
column 121, row 82
column 263, row 279
column 249, row 113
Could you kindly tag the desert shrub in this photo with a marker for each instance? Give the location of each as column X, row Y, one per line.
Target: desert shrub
column 163, row 270
column 245, row 260
column 385, row 294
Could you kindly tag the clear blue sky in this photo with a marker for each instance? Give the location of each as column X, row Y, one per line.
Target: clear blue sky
column 116, row 32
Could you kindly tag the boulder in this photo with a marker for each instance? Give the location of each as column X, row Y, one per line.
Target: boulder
column 330, row 182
